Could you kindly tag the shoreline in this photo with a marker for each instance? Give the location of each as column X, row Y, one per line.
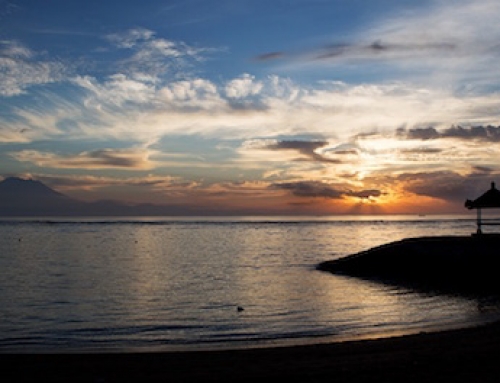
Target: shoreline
column 467, row 354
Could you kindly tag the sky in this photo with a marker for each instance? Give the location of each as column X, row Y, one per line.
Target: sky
column 252, row 106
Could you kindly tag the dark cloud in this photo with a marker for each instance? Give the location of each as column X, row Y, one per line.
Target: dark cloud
column 447, row 185
column 375, row 49
column 482, row 170
column 302, row 146
column 365, row 194
column 269, row 56
column 306, row 148
column 379, row 46
column 317, row 189
column 422, row 150
column 313, row 189
column 104, row 158
column 96, row 159
column 429, row 133
column 482, row 133
column 347, row 152
column 112, row 158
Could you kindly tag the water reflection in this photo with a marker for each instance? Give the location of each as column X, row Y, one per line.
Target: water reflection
column 132, row 285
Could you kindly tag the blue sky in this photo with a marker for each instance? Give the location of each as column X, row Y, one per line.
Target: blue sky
column 286, row 107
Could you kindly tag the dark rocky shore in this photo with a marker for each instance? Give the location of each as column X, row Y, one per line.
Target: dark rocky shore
column 464, row 265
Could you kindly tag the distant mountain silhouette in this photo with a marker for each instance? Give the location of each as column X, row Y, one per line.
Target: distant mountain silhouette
column 20, row 197
column 30, row 197
column 13, row 187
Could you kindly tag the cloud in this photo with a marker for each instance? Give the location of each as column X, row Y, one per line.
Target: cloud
column 142, row 107
column 307, row 148
column 318, row 189
column 154, row 56
column 118, row 90
column 142, row 110
column 422, row 150
column 358, row 120
column 127, row 159
column 130, row 38
column 482, row 170
column 20, row 69
column 7, row 8
column 313, row 189
column 149, row 95
column 440, row 43
column 270, row 56
column 375, row 50
column 444, row 185
column 191, row 95
column 365, row 194
column 243, row 87
column 481, row 133
column 90, row 183
column 449, row 186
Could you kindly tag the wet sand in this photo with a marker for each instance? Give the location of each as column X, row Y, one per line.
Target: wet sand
column 470, row 355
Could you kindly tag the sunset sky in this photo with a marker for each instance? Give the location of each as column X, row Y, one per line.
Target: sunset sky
column 253, row 106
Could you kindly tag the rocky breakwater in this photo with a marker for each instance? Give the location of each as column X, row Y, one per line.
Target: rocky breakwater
column 464, row 265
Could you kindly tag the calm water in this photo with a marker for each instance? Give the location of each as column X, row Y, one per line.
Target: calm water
column 166, row 284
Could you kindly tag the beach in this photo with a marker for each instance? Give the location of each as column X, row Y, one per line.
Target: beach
column 469, row 355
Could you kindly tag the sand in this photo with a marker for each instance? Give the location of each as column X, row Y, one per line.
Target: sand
column 469, row 355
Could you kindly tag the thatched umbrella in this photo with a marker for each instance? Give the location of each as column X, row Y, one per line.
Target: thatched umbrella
column 490, row 199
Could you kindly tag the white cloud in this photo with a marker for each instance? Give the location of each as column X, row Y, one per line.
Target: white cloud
column 139, row 105
column 153, row 56
column 19, row 69
column 461, row 23
column 33, row 123
column 243, row 87
column 138, row 109
column 193, row 94
column 14, row 49
column 116, row 91
column 130, row 38
column 451, row 44
column 452, row 40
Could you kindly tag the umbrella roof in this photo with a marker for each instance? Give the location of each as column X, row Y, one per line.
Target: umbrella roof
column 490, row 199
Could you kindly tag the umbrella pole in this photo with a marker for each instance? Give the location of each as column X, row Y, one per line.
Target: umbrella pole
column 479, row 223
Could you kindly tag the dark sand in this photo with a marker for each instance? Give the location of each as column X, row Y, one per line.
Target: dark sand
column 467, row 355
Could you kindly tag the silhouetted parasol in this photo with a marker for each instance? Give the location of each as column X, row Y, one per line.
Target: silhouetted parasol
column 490, row 199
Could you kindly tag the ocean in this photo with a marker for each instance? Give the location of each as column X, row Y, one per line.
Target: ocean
column 161, row 284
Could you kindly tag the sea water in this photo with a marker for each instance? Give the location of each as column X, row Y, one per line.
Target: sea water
column 152, row 284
